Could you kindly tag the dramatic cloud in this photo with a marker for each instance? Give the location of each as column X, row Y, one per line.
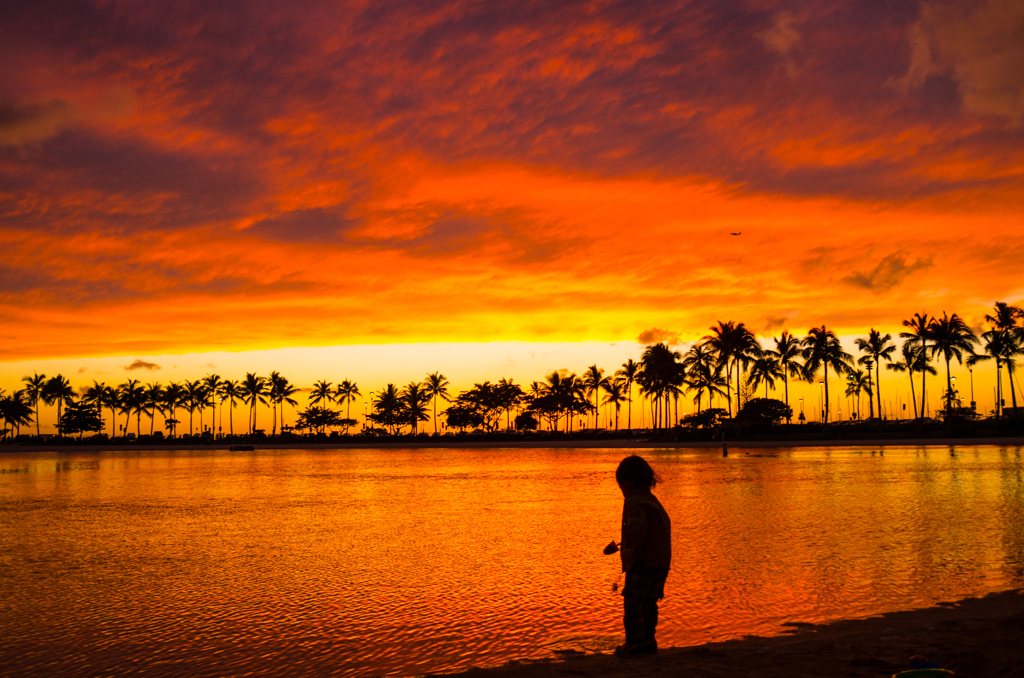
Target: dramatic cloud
column 890, row 272
column 141, row 365
column 177, row 178
column 655, row 335
column 981, row 43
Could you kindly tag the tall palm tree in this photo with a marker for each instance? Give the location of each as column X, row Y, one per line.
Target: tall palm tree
column 174, row 397
column 195, row 395
column 414, row 399
column 57, row 390
column 614, row 390
column 593, row 381
column 231, row 391
column 766, row 370
column 254, row 389
column 951, row 338
column 34, row 386
column 877, row 347
column 1004, row 320
column 277, row 385
column 1004, row 316
column 823, row 350
column 858, row 382
column 321, row 393
column 131, row 401
column 918, row 334
column 736, row 347
column 788, row 351
column 388, row 408
column 348, row 391
column 152, row 398
column 1005, row 346
column 661, row 375
column 437, row 386
column 628, row 373
column 211, row 383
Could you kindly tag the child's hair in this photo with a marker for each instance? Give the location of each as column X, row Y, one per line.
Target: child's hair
column 637, row 471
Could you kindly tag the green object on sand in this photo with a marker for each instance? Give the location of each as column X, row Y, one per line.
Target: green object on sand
column 924, row 673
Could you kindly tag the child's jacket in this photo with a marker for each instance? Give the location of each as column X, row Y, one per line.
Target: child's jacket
column 646, row 533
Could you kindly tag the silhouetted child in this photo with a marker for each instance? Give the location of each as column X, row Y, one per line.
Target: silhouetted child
column 646, row 550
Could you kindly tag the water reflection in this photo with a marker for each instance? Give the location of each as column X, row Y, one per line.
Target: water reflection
column 408, row 562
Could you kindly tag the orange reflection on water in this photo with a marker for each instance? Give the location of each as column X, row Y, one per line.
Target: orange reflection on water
column 371, row 562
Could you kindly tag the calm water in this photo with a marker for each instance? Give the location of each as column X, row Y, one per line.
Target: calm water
column 404, row 562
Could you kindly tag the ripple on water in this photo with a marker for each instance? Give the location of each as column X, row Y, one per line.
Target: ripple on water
column 398, row 562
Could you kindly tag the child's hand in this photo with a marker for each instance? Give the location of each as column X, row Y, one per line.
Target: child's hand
column 611, row 548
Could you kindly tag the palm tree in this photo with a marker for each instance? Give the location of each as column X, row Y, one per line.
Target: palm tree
column 100, row 395
column 858, row 382
column 1004, row 320
column 254, row 391
column 1005, row 317
column 952, row 337
column 348, row 391
column 823, row 350
column 388, row 408
column 614, row 390
column 173, row 398
column 788, row 351
column 628, row 373
column 211, row 383
column 284, row 397
column 57, row 390
column 661, row 375
column 414, row 399
column 131, row 401
column 437, row 386
column 593, row 381
column 194, row 397
column 920, row 327
column 1004, row 345
column 735, row 347
column 277, row 385
column 765, row 369
column 152, row 398
column 34, row 386
column 877, row 347
column 16, row 410
column 321, row 393
column 913, row 361
column 231, row 391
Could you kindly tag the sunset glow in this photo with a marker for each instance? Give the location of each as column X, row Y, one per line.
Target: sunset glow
column 181, row 181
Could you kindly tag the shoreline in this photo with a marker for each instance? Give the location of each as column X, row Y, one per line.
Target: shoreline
column 1001, row 441
column 974, row 637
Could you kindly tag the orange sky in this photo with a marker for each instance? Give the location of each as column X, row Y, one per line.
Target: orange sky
column 176, row 179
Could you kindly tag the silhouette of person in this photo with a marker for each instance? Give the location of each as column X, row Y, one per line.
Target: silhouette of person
column 646, row 552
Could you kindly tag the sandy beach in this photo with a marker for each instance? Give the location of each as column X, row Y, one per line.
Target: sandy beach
column 738, row 445
column 975, row 638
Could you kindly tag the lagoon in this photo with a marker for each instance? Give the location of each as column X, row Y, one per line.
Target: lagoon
column 405, row 562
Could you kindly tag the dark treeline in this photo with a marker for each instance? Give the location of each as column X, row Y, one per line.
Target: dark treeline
column 729, row 363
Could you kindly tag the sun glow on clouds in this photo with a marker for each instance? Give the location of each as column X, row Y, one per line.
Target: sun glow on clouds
column 358, row 175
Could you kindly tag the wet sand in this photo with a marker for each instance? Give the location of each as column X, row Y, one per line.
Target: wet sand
column 888, row 443
column 975, row 638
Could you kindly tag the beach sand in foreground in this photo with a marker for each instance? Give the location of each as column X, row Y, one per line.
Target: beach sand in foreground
column 738, row 445
column 975, row 638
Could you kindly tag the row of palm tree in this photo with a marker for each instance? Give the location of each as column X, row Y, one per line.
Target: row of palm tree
column 728, row 360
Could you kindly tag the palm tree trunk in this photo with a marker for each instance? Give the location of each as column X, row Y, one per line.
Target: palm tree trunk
column 912, row 394
column 629, row 411
column 826, row 393
column 924, row 373
column 1010, row 369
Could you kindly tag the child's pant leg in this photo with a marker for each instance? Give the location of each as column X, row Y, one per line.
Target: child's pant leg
column 645, row 586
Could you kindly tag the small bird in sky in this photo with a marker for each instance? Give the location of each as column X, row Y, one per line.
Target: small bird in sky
column 735, row 233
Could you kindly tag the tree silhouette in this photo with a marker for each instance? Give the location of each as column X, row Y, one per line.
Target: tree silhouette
column 174, row 397
column 57, row 390
column 951, row 338
column 876, row 347
column 593, row 381
column 735, row 347
column 661, row 374
column 614, row 391
column 16, row 410
column 858, row 382
column 195, row 395
column 414, row 399
column 823, row 350
column 152, row 398
column 101, row 395
column 254, row 390
column 766, row 370
column 34, row 386
column 437, row 387
column 788, row 352
column 211, row 383
column 346, row 393
column 920, row 329
column 231, row 391
column 628, row 373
